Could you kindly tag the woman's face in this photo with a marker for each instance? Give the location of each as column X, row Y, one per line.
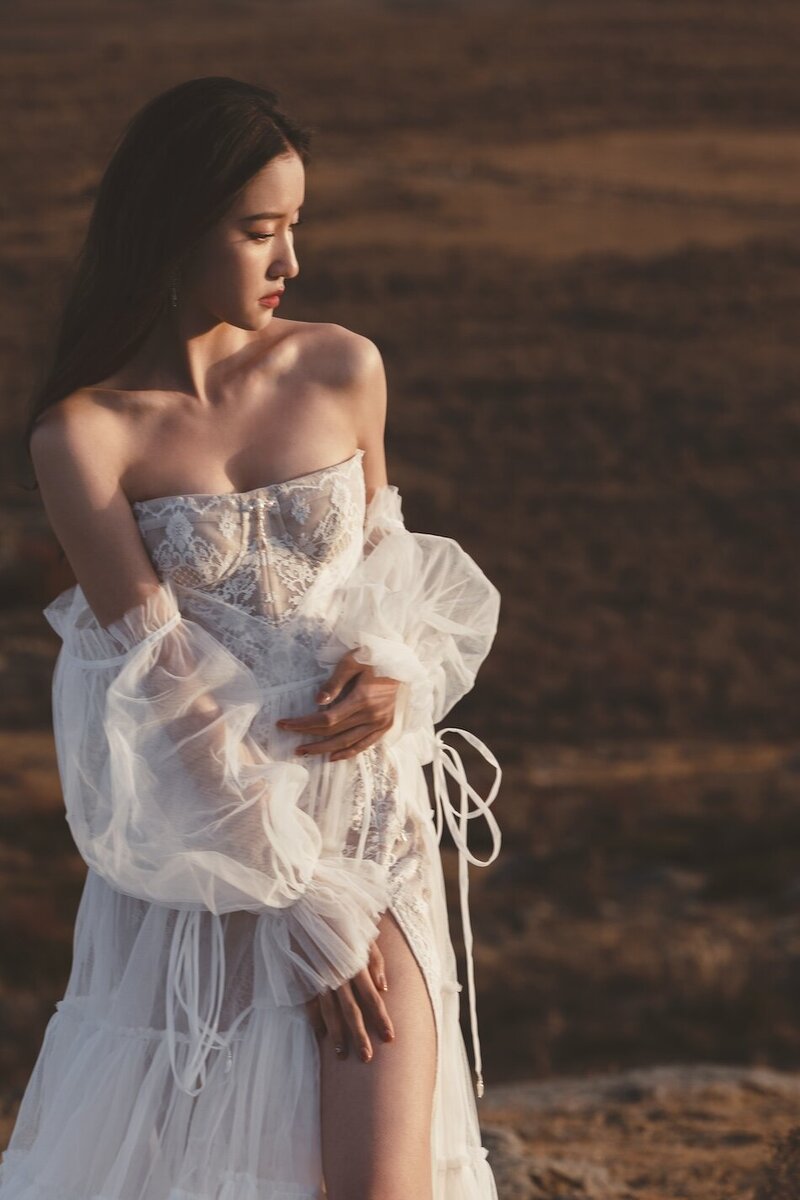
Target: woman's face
column 250, row 251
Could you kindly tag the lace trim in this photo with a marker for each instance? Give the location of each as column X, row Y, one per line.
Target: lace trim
column 381, row 830
column 265, row 551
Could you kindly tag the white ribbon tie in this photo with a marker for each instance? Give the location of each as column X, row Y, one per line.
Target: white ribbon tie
column 447, row 759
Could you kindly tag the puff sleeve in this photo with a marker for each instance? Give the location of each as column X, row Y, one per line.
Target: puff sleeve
column 171, row 800
column 418, row 609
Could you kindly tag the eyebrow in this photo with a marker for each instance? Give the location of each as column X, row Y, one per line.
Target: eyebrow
column 262, row 216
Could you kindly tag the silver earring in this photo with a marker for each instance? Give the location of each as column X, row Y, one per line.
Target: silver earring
column 173, row 290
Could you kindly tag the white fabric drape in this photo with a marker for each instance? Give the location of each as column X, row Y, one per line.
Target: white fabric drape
column 171, row 800
column 419, row 609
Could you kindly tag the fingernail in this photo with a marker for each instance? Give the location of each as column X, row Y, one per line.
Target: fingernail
column 323, row 698
column 387, row 1033
column 339, row 1048
column 366, row 1054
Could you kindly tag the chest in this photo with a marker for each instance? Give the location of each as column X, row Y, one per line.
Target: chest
column 263, row 549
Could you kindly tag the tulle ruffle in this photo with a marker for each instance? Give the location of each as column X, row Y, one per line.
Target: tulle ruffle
column 168, row 796
column 171, row 800
column 242, row 1138
column 418, row 609
column 222, row 860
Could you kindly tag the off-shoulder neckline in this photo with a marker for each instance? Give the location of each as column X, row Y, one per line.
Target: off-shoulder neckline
column 250, row 491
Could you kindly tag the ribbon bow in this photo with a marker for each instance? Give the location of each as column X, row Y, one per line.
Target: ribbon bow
column 447, row 759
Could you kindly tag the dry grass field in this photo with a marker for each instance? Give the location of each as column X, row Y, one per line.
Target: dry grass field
column 573, row 230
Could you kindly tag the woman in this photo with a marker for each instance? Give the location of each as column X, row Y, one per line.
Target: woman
column 263, row 1001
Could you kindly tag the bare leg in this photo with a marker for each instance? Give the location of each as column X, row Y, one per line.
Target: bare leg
column 376, row 1116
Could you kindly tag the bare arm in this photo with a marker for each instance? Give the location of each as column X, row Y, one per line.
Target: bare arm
column 79, row 452
column 367, row 402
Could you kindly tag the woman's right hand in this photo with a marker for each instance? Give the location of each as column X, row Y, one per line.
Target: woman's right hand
column 341, row 1011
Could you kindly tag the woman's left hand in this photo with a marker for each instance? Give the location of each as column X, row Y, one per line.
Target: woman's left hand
column 351, row 722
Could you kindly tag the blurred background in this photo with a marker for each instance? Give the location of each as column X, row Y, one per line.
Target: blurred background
column 573, row 230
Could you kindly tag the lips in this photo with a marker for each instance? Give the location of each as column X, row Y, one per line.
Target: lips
column 271, row 300
column 270, row 295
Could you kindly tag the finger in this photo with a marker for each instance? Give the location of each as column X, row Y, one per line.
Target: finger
column 354, row 725
column 359, row 746
column 331, row 725
column 377, row 968
column 360, row 736
column 349, row 723
column 354, row 1019
column 328, row 718
column 334, row 1022
column 375, row 700
column 375, row 1006
column 344, row 671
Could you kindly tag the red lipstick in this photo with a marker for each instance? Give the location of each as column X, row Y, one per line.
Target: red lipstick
column 272, row 299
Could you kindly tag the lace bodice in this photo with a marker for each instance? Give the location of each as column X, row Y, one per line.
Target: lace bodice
column 275, row 553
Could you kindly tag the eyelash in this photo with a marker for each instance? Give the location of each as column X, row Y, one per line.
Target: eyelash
column 262, row 237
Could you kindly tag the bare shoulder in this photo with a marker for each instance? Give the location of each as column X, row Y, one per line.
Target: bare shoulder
column 351, row 366
column 82, row 433
column 80, row 429
column 78, row 448
column 345, row 356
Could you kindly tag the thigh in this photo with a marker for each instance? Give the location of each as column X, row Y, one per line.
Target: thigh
column 376, row 1116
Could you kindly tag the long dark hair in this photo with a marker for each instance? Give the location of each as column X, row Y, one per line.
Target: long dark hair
column 175, row 170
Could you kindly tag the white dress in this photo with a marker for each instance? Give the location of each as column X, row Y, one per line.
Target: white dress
column 229, row 880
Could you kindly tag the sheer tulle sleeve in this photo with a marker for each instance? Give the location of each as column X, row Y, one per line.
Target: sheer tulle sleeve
column 418, row 609
column 171, row 800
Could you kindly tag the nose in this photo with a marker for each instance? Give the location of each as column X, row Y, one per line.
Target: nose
column 284, row 268
column 285, row 264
